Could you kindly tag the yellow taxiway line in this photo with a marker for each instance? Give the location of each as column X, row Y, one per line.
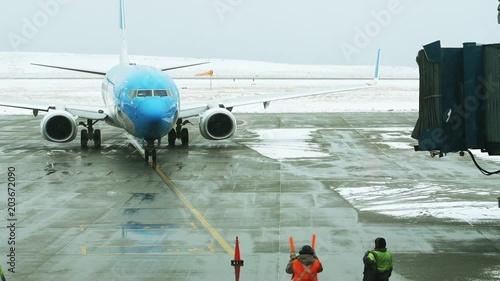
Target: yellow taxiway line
column 186, row 202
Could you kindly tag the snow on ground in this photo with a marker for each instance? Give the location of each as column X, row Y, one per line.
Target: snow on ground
column 452, row 201
column 422, row 199
column 286, row 144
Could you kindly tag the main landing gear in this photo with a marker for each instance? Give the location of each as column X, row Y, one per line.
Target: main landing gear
column 90, row 134
column 179, row 133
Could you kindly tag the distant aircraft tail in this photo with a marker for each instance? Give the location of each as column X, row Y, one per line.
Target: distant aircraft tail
column 376, row 75
column 377, row 66
column 124, row 51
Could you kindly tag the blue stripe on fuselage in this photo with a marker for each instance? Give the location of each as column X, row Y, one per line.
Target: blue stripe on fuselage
column 144, row 117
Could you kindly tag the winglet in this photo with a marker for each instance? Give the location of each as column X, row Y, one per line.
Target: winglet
column 124, row 52
column 377, row 66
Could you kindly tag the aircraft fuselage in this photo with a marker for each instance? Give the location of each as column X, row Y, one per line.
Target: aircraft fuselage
column 143, row 100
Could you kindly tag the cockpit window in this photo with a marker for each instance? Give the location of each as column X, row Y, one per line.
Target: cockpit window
column 151, row 93
column 160, row 93
column 144, row 93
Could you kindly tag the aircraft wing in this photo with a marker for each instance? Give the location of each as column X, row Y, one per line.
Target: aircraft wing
column 82, row 111
column 102, row 73
column 195, row 109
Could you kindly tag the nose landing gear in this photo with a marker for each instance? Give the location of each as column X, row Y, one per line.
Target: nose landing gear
column 150, row 150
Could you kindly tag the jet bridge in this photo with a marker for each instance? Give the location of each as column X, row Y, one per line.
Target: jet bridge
column 459, row 99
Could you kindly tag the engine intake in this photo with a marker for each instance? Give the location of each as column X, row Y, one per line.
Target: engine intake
column 59, row 126
column 217, row 124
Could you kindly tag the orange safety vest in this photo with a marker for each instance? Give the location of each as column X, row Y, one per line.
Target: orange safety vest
column 302, row 272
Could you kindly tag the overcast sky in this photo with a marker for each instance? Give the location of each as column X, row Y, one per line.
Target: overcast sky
column 290, row 31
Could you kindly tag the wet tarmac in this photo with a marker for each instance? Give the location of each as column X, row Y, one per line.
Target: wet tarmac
column 103, row 214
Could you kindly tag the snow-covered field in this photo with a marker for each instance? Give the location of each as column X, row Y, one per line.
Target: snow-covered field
column 15, row 65
column 231, row 79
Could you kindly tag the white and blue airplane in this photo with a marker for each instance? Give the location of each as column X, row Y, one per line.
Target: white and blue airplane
column 146, row 103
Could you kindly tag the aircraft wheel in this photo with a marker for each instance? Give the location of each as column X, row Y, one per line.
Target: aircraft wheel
column 184, row 136
column 172, row 136
column 84, row 138
column 97, row 138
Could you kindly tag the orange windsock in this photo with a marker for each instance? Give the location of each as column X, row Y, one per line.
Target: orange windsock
column 292, row 246
column 209, row 73
column 313, row 244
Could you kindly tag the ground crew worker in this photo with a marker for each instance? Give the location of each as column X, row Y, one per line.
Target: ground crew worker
column 305, row 266
column 1, row 274
column 378, row 262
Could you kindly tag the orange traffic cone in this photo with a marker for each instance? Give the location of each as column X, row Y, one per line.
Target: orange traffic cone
column 237, row 259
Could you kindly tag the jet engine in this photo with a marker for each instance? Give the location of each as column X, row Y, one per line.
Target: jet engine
column 217, row 124
column 59, row 126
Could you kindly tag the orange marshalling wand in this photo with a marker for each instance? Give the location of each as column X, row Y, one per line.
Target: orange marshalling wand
column 292, row 246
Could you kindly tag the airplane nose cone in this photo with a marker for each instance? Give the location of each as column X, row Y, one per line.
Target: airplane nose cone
column 154, row 117
column 153, row 109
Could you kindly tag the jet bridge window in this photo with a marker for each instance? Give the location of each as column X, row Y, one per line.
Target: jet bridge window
column 151, row 93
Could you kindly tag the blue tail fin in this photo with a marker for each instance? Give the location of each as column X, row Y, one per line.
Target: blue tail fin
column 124, row 52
